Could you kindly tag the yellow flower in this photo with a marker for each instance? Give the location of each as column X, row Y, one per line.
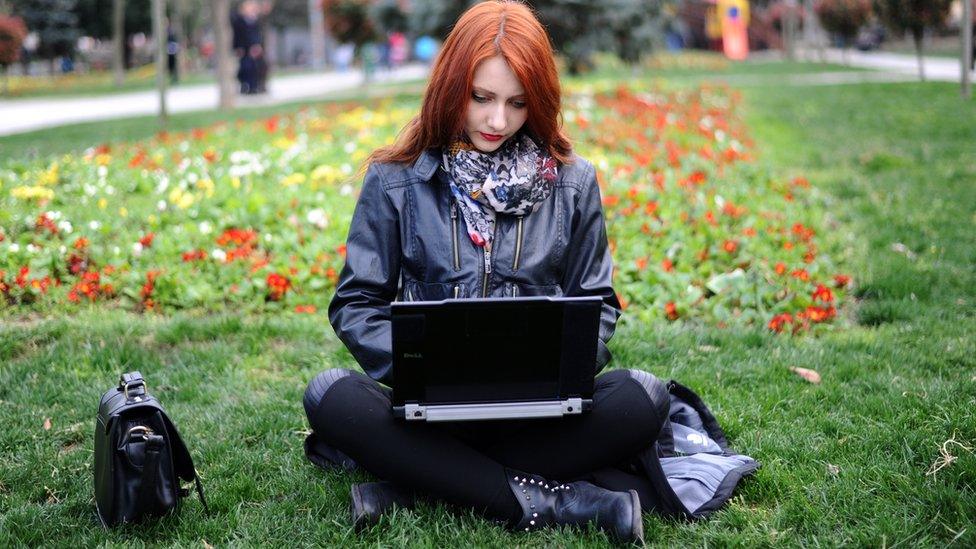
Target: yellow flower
column 207, row 185
column 102, row 203
column 37, row 192
column 293, row 179
column 284, row 142
column 103, row 159
column 235, row 182
column 180, row 198
column 325, row 175
column 50, row 176
column 123, row 212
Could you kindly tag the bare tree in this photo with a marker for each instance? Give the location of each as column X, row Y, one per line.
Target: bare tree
column 914, row 16
column 118, row 41
column 222, row 51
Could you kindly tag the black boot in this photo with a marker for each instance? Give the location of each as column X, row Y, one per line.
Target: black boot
column 546, row 503
column 371, row 499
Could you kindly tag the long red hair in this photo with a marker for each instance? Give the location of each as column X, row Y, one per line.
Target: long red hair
column 506, row 28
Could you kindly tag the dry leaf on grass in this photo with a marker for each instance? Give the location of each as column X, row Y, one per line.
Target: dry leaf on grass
column 945, row 458
column 47, row 424
column 810, row 375
column 833, row 469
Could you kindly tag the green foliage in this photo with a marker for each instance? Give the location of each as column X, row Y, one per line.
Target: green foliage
column 95, row 17
column 348, row 20
column 55, row 22
column 913, row 16
column 843, row 17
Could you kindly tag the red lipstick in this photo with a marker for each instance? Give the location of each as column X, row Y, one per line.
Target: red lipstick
column 490, row 136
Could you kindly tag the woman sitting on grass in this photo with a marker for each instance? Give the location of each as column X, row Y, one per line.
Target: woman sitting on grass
column 487, row 149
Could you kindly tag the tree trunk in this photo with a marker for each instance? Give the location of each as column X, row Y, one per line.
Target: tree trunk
column 967, row 48
column 222, row 51
column 918, row 35
column 118, row 41
column 316, row 29
column 176, row 21
column 159, row 35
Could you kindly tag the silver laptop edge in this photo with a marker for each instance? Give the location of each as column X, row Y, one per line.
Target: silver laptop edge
column 503, row 410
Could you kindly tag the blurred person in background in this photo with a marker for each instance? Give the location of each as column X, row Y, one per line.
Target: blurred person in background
column 248, row 46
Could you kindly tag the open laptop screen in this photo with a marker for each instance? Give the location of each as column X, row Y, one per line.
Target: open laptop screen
column 491, row 350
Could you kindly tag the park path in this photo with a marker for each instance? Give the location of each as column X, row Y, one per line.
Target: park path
column 24, row 115
column 940, row 69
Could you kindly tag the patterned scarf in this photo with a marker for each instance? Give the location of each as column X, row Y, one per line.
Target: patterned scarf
column 516, row 179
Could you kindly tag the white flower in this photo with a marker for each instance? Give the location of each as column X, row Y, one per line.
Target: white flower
column 94, row 225
column 116, row 250
column 31, row 248
column 267, row 237
column 102, row 171
column 349, row 147
column 65, row 226
column 719, row 135
column 219, row 255
column 14, row 248
column 192, row 177
column 53, row 216
column 318, row 218
column 346, row 169
column 110, row 190
column 137, row 249
column 62, row 249
column 205, row 227
column 161, row 205
column 162, row 185
column 89, row 189
column 345, row 190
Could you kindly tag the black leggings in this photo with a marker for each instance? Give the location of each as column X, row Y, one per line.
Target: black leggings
column 464, row 463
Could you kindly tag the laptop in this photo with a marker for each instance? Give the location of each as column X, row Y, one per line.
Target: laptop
column 490, row 359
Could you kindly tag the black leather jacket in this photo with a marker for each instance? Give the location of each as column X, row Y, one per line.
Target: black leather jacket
column 407, row 241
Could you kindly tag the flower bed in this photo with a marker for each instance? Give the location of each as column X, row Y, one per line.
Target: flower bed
column 253, row 216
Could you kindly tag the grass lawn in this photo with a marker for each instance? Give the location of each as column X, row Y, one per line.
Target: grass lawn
column 844, row 462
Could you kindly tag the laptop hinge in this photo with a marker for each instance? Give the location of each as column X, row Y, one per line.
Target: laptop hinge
column 501, row 410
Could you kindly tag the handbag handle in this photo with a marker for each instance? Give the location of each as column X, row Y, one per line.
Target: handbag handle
column 133, row 386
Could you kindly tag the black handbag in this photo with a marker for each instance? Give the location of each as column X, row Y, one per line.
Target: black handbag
column 140, row 459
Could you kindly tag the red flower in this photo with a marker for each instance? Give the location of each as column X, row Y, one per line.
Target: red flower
column 671, row 310
column 822, row 293
column 342, row 250
column 650, row 207
column 841, row 280
column 667, row 265
column 777, row 323
column 780, row 268
column 45, row 223
column 641, row 263
column 820, row 314
column 307, row 309
column 730, row 246
column 278, row 285
column 801, row 274
column 81, row 243
column 611, row 200
column 194, row 255
column 147, row 239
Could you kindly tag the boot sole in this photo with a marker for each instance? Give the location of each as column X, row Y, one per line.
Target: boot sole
column 637, row 533
column 360, row 519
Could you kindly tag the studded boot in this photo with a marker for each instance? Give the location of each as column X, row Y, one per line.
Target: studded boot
column 370, row 500
column 546, row 503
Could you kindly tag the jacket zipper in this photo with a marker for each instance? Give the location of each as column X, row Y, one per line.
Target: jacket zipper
column 518, row 244
column 457, row 289
column 454, row 239
column 487, row 250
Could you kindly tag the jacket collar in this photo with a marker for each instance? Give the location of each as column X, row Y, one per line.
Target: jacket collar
column 426, row 165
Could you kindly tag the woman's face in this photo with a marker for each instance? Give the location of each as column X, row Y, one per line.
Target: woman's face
column 496, row 109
